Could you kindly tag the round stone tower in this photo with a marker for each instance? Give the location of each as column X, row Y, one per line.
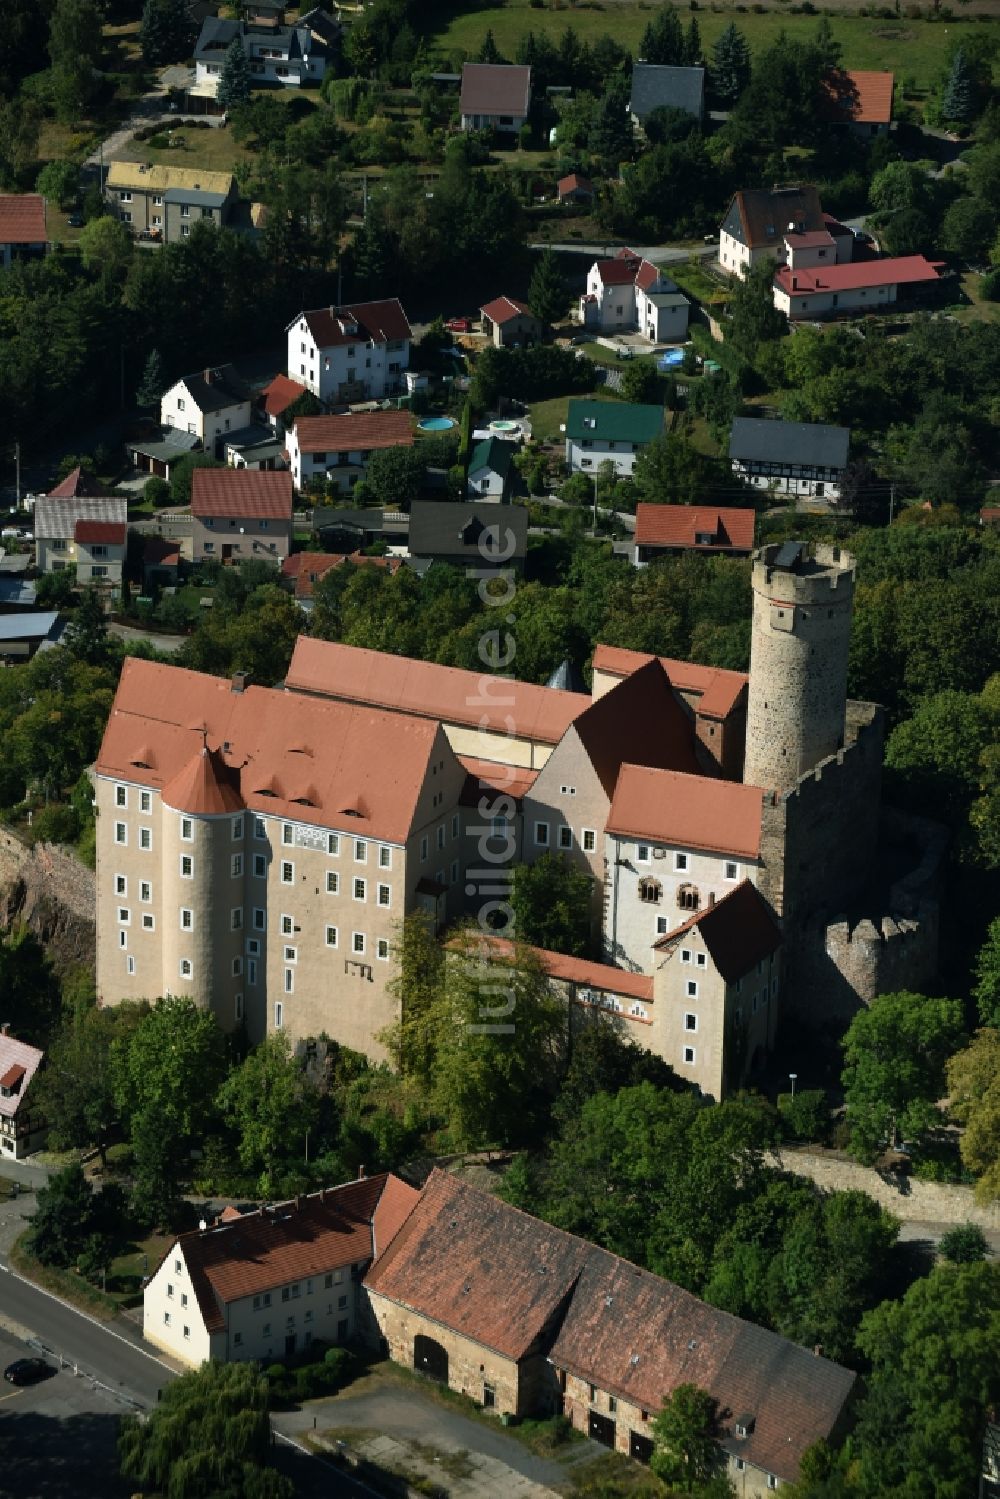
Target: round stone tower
column 797, row 700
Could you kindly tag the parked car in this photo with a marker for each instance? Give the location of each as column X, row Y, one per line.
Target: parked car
column 75, row 221
column 459, row 325
column 27, row 1371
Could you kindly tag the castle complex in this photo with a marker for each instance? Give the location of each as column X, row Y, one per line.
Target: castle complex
column 257, row 849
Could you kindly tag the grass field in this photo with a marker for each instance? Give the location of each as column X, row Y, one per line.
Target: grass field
column 547, row 416
column 212, row 150
column 911, row 49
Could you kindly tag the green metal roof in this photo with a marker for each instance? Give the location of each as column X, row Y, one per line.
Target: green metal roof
column 613, row 421
column 494, row 453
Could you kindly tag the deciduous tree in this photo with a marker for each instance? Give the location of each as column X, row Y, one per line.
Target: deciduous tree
column 552, row 901
column 270, row 1103
column 974, row 1091
column 686, row 1454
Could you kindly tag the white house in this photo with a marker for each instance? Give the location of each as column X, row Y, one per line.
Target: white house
column 22, row 1127
column 337, row 448
column 495, row 96
column 793, row 458
column 87, row 532
column 267, row 1284
column 757, row 221
column 627, row 293
column 288, row 55
column 353, row 353
column 806, row 288
column 208, row 405
column 491, row 469
column 609, row 432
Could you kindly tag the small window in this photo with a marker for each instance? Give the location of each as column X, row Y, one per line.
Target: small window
column 289, row 980
column 612, row 1405
column 689, row 1055
column 454, row 826
column 185, row 968
column 382, row 949
column 358, row 942
column 680, row 862
column 236, row 866
column 287, row 833
column 650, row 891
column 170, row 1290
column 685, row 954
column 121, row 796
column 260, row 866
column 732, row 870
column 121, row 885
column 661, row 926
column 237, row 968
column 542, row 834
column 287, row 872
column 423, row 846
column 692, row 988
column 130, row 964
column 291, row 955
column 187, row 867
column 278, row 1022
column 145, row 891
column 331, row 936
column 385, row 854
column 332, row 882
column 239, row 1007
column 121, row 833
column 166, row 1319
column 772, row 1482
column 124, row 915
column 259, row 828
column 187, row 919
column 642, row 853
column 565, row 837
column 701, row 960
column 259, row 919
column 187, row 829
column 690, row 1022
column 384, row 895
column 148, row 921
column 146, row 838
column 184, row 1298
column 589, row 840
column 360, row 851
column 360, row 890
column 187, row 1332
column 236, row 919
column 123, row 938
column 145, row 797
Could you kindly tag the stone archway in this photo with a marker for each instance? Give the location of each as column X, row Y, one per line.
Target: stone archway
column 430, row 1358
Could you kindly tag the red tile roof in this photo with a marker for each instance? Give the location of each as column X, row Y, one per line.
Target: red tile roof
column 18, row 1061
column 502, row 309
column 75, row 484
column 486, row 775
column 622, row 270
column 809, row 239
column 106, row 531
column 864, row 97
column 22, row 219
column 361, row 432
column 280, row 394
column 639, row 719
column 899, row 270
column 738, row 931
column 312, row 760
column 382, row 322
column 990, row 514
column 160, row 551
column 243, row 493
column 473, row 1264
column 687, row 811
column 730, row 529
column 718, row 691
column 574, row 183
column 291, row 1241
column 205, row 787
column 495, row 89
column 559, row 966
column 421, row 688
column 307, row 568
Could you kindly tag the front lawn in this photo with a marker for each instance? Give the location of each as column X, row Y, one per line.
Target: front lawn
column 211, row 150
column 548, row 416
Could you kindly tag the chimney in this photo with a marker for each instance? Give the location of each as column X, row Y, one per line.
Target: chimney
column 239, row 681
column 795, row 283
column 361, row 1173
column 711, row 899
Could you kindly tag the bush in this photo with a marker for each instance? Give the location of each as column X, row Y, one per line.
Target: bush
column 156, row 492
column 56, row 823
column 804, row 1116
column 964, row 1244
column 989, row 286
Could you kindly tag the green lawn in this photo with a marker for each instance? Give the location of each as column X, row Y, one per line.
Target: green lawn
column 546, row 416
column 911, row 49
column 212, row 150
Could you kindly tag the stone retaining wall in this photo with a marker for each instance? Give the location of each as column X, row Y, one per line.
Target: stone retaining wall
column 909, row 1199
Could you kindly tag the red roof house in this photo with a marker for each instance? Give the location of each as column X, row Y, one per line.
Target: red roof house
column 22, row 1129
column 22, row 225
column 862, row 286
column 507, row 321
column 574, row 189
column 860, row 98
column 241, row 514
column 664, row 529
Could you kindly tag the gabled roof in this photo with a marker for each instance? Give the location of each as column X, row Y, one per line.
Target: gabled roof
column 91, row 532
column 495, row 89
column 161, row 551
column 657, row 87
column 160, row 179
column 626, row 268
column 558, row 965
column 738, row 931
column 465, row 531
column 22, row 219
column 214, row 389
column 292, row 1241
column 492, row 453
column 513, row 1283
column 381, row 322
column 311, row 760
column 574, row 183
column 613, row 421
column 899, row 270
column 758, row 218
column 860, row 96
column 502, row 309
column 38, row 625
column 360, row 432
column 306, row 569
column 683, row 810
column 639, row 719
column 242, row 493
column 18, row 1064
column 56, row 520
column 280, row 393
column 757, row 440
column 76, row 483
column 424, row 689
column 718, row 691
column 727, row 529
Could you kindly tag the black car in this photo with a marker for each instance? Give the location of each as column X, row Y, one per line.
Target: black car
column 75, row 221
column 26, row 1370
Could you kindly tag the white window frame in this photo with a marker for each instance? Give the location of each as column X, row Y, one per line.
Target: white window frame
column 145, row 797
column 642, row 854
column 236, row 867
column 565, row 838
column 146, row 840
column 185, row 969
column 187, row 829
column 360, row 851
column 333, row 844
column 288, row 878
column 121, row 797
column 237, row 829
column 358, row 943
column 259, row 828
column 689, row 1056
column 289, row 981
column 186, row 926
column 681, row 863
column 385, row 896
column 121, row 834
column 332, row 882
column 148, row 921
column 332, row 932
column 146, row 892
column 279, row 1015
column 692, row 989
column 692, row 1029
column 588, row 840
column 186, row 874
column 121, row 884
column 732, row 870
column 355, row 884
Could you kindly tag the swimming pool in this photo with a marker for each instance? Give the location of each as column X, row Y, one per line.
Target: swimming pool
column 436, row 424
column 505, row 426
column 671, row 359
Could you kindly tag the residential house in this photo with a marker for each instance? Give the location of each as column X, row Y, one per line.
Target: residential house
column 275, row 399
column 491, row 469
column 21, row 635
column 208, row 405
column 161, row 561
column 267, row 1284
column 101, row 521
column 861, row 100
column 163, row 202
column 495, row 96
column 509, row 323
column 336, row 449
column 575, row 188
column 866, row 286
column 356, row 353
column 16, row 593
column 257, row 849
column 793, row 458
column 757, row 221
column 77, row 484
column 343, row 529
column 609, row 432
column 658, row 87
column 628, row 292
column 989, row 516
column 469, row 534
column 22, row 1124
column 666, row 530
column 155, row 452
column 528, row 1320
column 256, row 446
column 241, row 515
column 288, row 55
column 23, row 231
column 305, row 569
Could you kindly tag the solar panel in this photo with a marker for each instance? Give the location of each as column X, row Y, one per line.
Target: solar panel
column 790, row 555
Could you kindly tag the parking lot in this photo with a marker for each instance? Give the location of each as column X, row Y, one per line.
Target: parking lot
column 58, row 1435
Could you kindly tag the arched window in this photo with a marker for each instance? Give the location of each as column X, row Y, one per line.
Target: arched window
column 650, row 891
column 688, row 898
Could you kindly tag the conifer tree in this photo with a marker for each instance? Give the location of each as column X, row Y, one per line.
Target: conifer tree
column 167, row 31
column 730, row 64
column 234, row 81
column 663, row 40
column 548, row 294
column 958, row 102
column 489, row 51
column 692, row 44
column 154, row 381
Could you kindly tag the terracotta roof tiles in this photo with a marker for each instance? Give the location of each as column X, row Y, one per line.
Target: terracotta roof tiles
column 897, row 270
column 560, row 966
column 279, row 394
column 738, row 931
column 362, row 431
column 111, row 533
column 243, row 493
column 76, row 483
column 22, row 219
column 638, row 718
column 861, row 96
column 725, row 529
column 718, row 691
column 502, row 309
column 381, row 322
column 687, row 811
